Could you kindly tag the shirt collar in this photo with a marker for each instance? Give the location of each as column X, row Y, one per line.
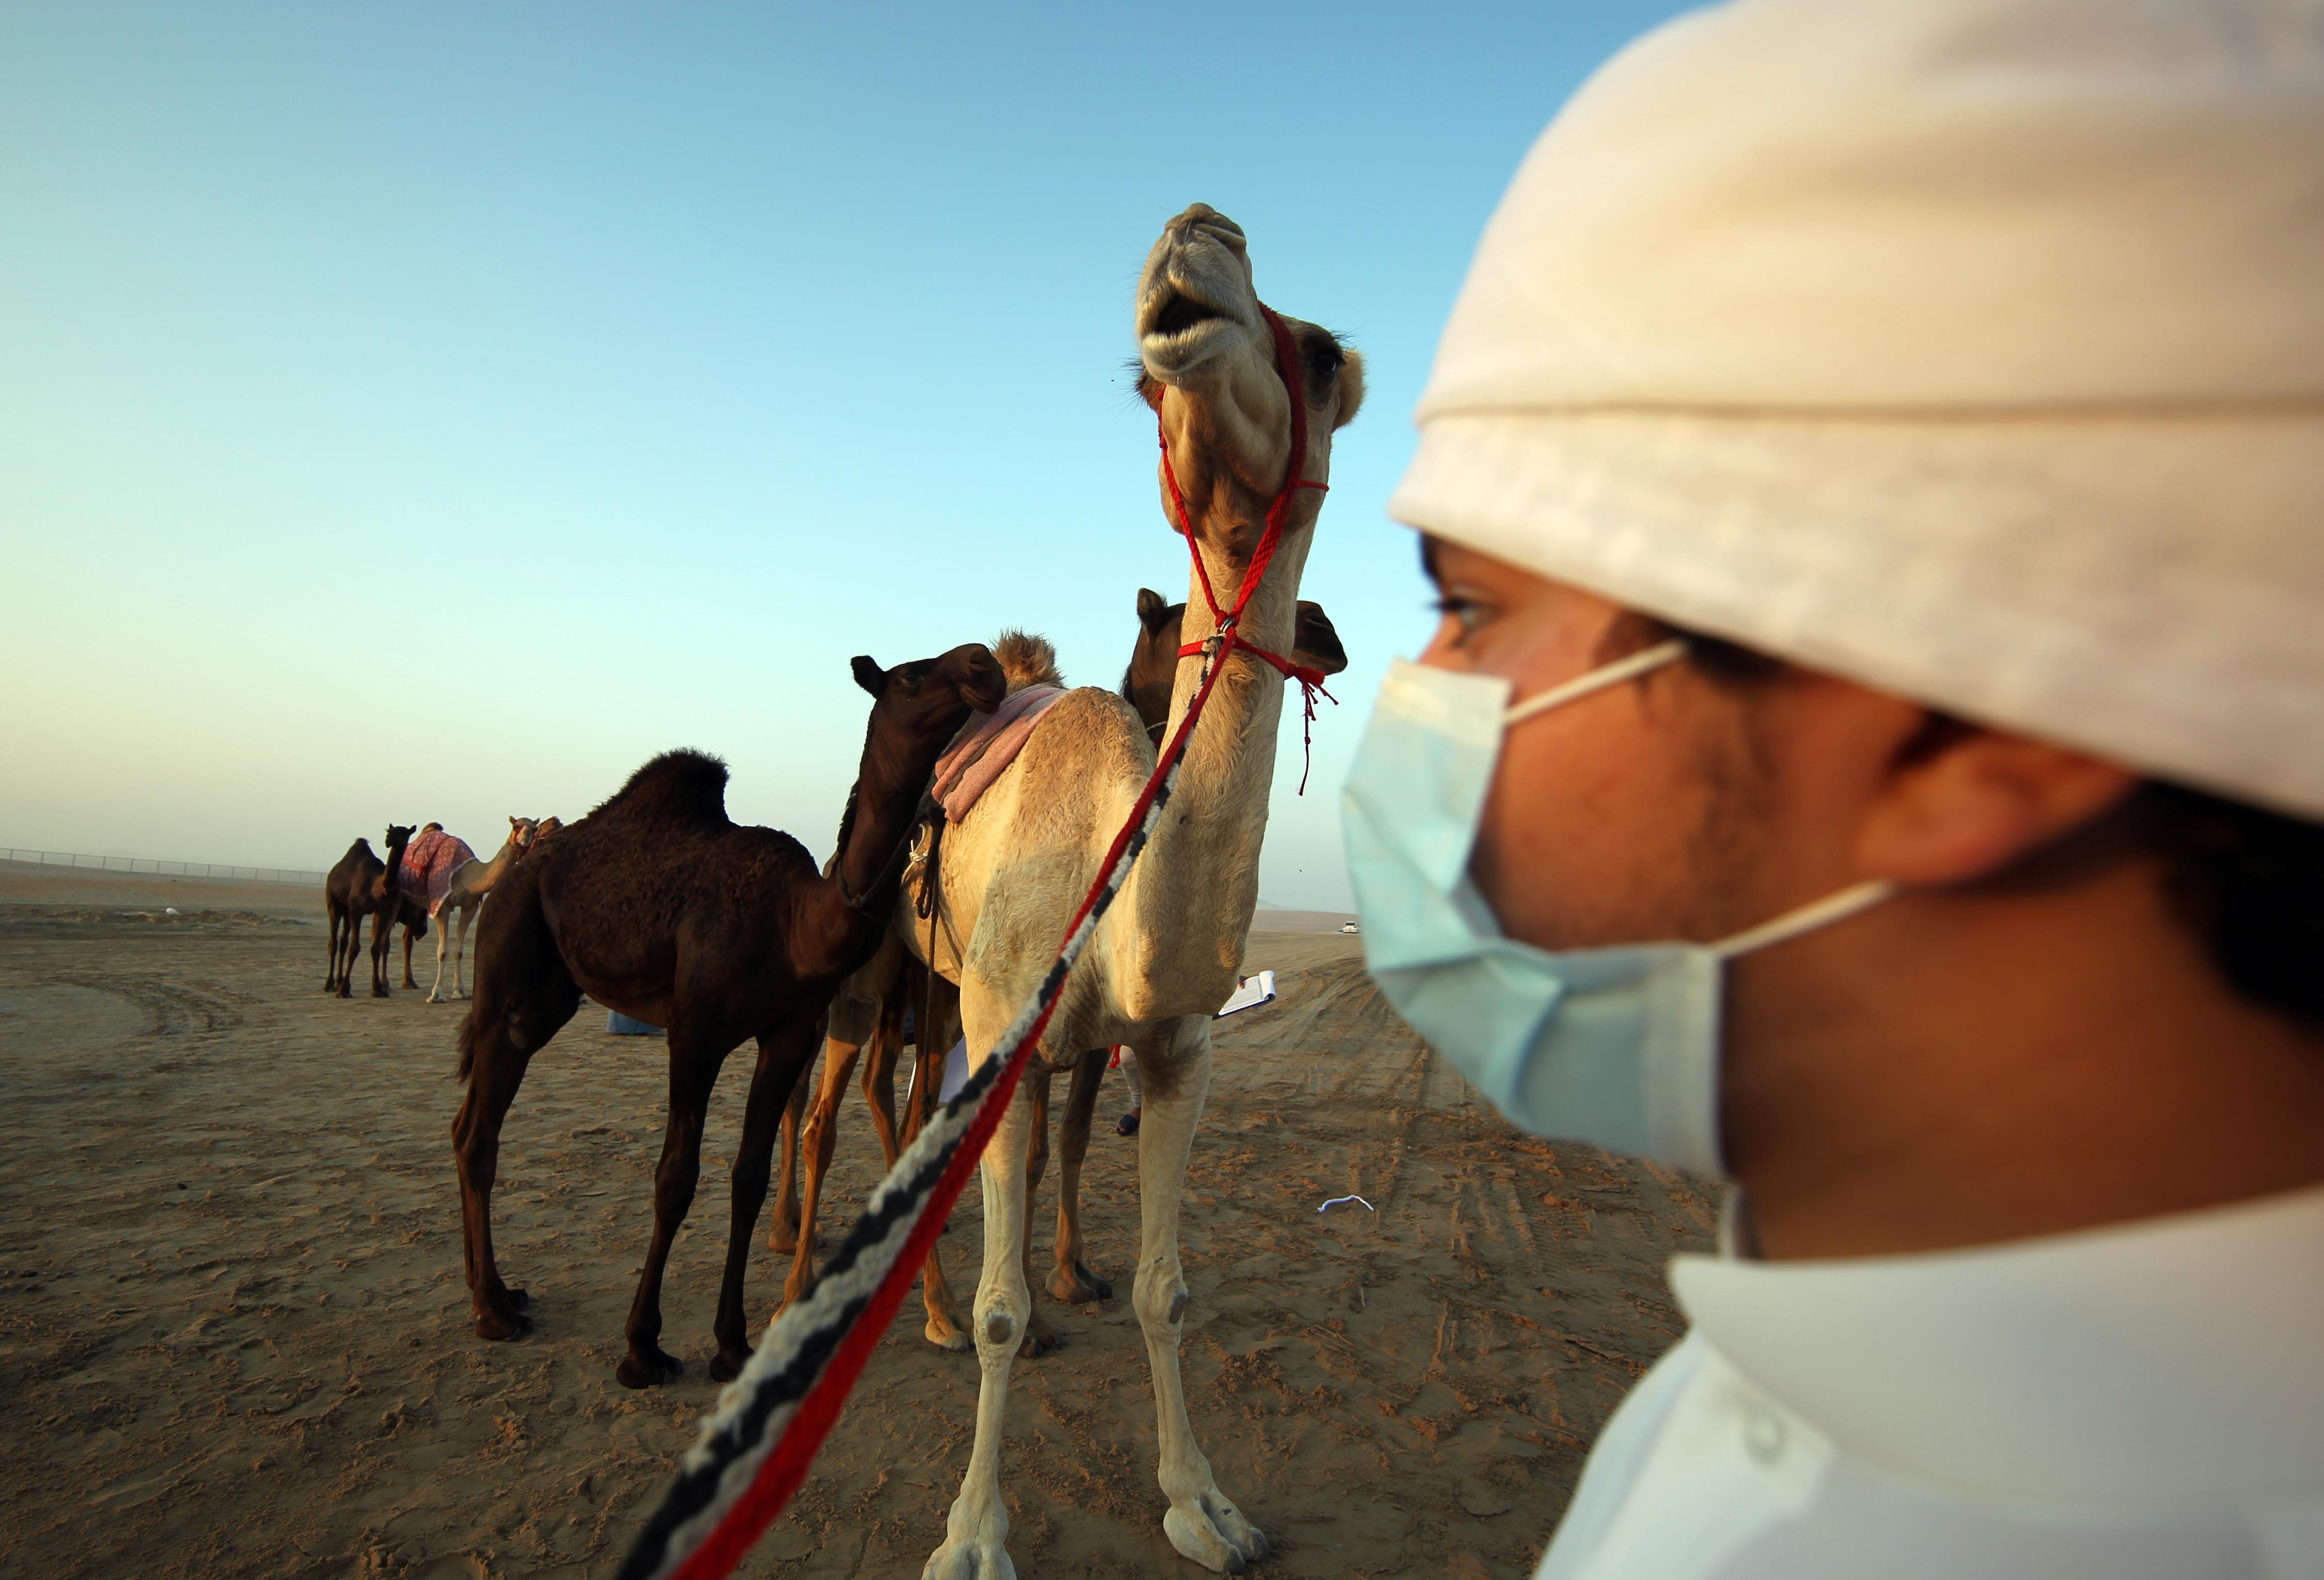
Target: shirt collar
column 2171, row 1362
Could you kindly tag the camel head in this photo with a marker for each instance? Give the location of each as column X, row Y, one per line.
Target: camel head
column 929, row 699
column 398, row 835
column 1208, row 368
column 1154, row 661
column 521, row 830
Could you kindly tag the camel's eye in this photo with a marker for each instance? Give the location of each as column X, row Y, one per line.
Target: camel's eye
column 1323, row 360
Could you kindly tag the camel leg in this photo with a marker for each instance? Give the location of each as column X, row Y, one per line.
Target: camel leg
column 351, row 947
column 331, row 971
column 1073, row 1281
column 693, row 1072
column 410, row 985
column 822, row 1131
column 944, row 1328
column 784, row 1054
column 498, row 1071
column 887, row 1046
column 534, row 996
column 1203, row 1524
column 383, row 939
column 783, row 1229
column 442, row 938
column 460, row 952
column 1040, row 1338
column 976, row 1532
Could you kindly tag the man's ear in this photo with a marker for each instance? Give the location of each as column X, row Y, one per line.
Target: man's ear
column 1962, row 802
column 870, row 676
column 1153, row 608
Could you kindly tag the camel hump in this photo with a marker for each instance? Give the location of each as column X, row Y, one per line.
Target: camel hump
column 1027, row 659
column 687, row 786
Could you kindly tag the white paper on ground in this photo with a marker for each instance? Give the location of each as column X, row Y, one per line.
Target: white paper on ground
column 955, row 1072
column 1250, row 993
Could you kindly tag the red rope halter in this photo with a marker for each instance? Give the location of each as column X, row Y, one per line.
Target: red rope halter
column 1228, row 638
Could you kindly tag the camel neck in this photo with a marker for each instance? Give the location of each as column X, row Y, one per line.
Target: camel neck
column 888, row 782
column 1191, row 897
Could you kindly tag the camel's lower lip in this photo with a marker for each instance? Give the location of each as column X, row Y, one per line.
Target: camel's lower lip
column 1178, row 313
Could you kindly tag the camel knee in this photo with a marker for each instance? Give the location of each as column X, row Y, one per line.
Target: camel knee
column 1000, row 1315
column 1161, row 1300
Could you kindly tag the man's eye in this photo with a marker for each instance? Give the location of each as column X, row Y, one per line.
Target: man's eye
column 1465, row 612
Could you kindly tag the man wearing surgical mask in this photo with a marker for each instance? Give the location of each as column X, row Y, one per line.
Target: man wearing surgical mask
column 1873, row 748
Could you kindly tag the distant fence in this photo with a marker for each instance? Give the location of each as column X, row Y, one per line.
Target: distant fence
column 149, row 864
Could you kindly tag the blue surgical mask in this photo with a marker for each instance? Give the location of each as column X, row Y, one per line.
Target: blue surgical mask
column 1616, row 1047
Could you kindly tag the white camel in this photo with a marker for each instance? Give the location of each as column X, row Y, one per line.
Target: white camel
column 1165, row 955
column 471, row 882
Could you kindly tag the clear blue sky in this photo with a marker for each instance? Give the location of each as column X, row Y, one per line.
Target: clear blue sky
column 422, row 411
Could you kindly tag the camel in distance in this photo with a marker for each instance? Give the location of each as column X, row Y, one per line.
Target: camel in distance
column 659, row 906
column 360, row 885
column 471, row 882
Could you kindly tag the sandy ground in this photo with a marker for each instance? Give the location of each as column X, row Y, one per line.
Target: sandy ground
column 234, row 1339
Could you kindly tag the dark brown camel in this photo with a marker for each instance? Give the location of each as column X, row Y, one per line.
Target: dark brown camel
column 1154, row 662
column 660, row 907
column 867, row 1020
column 360, row 885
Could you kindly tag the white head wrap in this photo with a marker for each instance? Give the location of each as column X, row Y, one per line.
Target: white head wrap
column 1971, row 349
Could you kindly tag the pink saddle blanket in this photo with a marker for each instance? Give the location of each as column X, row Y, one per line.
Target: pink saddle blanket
column 971, row 764
column 429, row 863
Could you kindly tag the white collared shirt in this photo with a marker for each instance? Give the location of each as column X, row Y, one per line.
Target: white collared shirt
column 2139, row 1401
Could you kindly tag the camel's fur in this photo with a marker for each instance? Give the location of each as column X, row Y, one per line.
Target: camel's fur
column 1165, row 954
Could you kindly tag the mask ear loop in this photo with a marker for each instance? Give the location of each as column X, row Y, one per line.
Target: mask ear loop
column 1598, row 680
column 1823, row 913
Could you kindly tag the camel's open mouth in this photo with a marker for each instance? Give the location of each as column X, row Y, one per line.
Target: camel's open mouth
column 1179, row 313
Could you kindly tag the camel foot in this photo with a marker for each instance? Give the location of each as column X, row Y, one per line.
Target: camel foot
column 379, row 993
column 499, row 1326
column 726, row 1367
column 652, row 1370
column 782, row 1235
column 1040, row 1338
column 961, row 1560
column 945, row 1333
column 1078, row 1286
column 1213, row 1533
column 433, row 999
column 345, row 991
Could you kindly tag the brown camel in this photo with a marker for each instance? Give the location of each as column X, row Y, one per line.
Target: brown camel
column 360, row 885
column 1154, row 661
column 658, row 907
column 867, row 1021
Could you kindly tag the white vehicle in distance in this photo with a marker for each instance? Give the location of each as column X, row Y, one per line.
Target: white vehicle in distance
column 1350, row 927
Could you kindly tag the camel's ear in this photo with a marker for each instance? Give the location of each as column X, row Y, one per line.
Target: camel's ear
column 870, row 676
column 1153, row 608
column 1352, row 389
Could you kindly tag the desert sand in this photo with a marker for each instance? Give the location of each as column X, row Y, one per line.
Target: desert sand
column 234, row 1337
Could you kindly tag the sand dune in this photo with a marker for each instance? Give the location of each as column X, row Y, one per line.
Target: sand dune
column 233, row 1336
